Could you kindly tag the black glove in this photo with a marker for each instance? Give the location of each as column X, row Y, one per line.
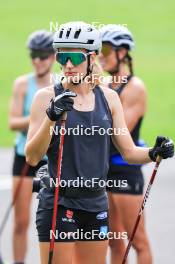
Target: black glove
column 60, row 104
column 163, row 147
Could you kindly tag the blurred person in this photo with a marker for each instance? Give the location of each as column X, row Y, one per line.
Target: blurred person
column 124, row 202
column 80, row 209
column 42, row 57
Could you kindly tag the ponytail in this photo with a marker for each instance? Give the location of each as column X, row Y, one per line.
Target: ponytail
column 129, row 62
column 94, row 77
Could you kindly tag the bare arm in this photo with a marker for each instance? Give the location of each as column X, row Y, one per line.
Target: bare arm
column 134, row 100
column 39, row 135
column 16, row 119
column 123, row 142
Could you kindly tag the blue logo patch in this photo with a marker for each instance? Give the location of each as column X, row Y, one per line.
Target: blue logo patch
column 104, row 230
column 102, row 215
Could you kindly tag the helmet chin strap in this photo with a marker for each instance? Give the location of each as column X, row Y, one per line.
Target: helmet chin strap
column 89, row 71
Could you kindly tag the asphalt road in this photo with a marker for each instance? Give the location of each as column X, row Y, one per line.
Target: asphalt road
column 160, row 213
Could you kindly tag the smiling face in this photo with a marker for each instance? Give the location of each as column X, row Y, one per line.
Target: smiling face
column 75, row 72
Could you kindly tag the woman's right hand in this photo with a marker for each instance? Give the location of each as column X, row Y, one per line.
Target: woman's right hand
column 60, row 104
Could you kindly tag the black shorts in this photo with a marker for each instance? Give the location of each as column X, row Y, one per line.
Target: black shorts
column 128, row 180
column 72, row 225
column 20, row 162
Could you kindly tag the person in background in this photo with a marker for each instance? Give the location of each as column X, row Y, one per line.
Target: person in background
column 42, row 57
column 124, row 203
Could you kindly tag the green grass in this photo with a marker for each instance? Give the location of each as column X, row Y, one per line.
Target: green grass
column 152, row 23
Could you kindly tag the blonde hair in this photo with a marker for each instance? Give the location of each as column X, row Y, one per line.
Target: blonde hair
column 94, row 77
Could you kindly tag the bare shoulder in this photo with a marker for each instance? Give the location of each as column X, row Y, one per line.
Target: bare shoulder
column 45, row 92
column 137, row 86
column 111, row 96
column 107, row 91
column 20, row 84
column 42, row 97
column 21, row 80
column 135, row 94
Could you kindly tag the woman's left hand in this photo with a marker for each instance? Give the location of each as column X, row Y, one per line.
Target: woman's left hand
column 164, row 147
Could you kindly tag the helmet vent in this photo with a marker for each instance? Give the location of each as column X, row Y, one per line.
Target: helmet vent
column 89, row 29
column 68, row 33
column 90, row 41
column 61, row 33
column 121, row 37
column 77, row 33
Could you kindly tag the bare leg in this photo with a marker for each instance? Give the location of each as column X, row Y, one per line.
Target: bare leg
column 21, row 218
column 62, row 252
column 128, row 208
column 117, row 246
column 91, row 252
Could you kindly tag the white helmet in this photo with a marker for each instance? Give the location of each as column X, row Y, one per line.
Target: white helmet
column 78, row 35
column 118, row 36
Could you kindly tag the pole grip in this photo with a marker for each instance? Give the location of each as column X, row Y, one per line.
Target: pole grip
column 159, row 158
column 64, row 117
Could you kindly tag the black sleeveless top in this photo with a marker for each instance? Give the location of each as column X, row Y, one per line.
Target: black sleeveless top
column 135, row 133
column 84, row 156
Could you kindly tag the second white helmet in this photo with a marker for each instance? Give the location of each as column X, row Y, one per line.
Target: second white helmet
column 78, row 35
column 118, row 36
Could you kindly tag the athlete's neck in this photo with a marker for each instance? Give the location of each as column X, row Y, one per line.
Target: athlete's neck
column 45, row 80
